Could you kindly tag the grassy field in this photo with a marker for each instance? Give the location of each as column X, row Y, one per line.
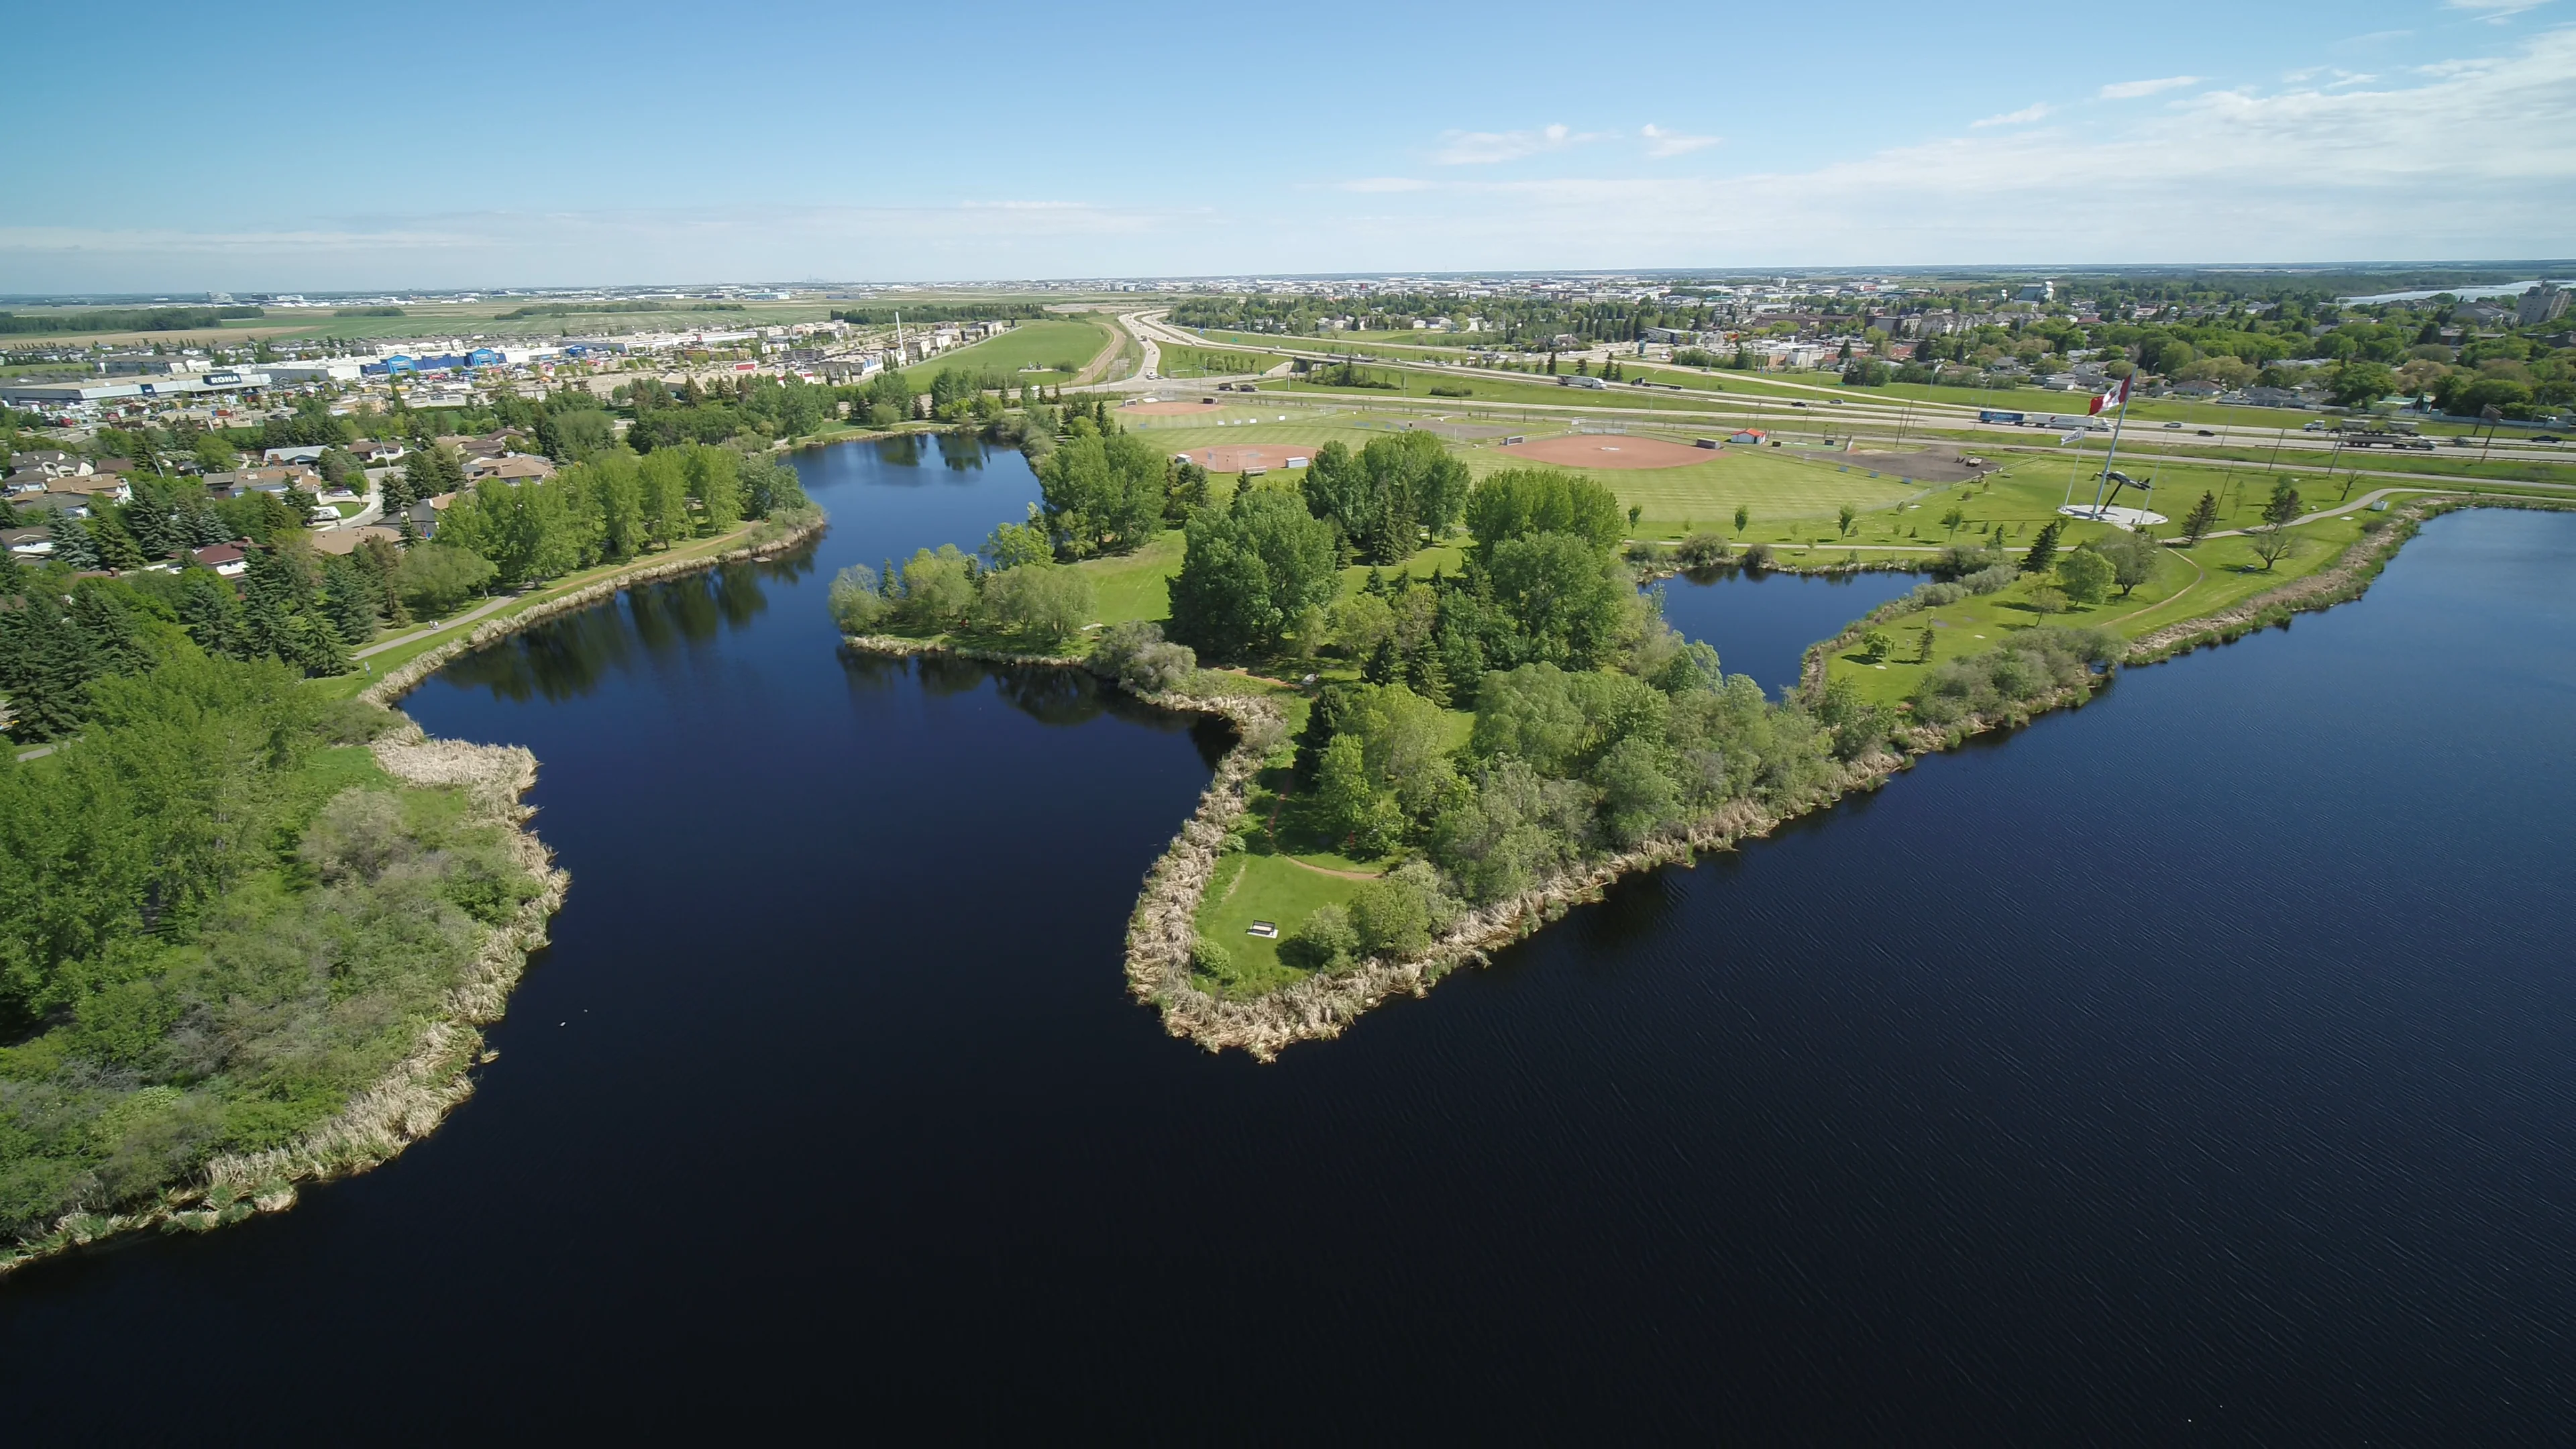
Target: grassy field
column 1134, row 586
column 1361, row 344
column 1045, row 343
column 2213, row 576
column 1212, row 362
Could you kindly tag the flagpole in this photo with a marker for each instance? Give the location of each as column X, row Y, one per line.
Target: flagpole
column 2108, row 458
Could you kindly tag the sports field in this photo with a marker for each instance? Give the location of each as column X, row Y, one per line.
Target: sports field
column 1236, row 457
column 1616, row 452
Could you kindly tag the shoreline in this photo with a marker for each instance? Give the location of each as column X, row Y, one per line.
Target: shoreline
column 436, row 1076
column 1163, row 925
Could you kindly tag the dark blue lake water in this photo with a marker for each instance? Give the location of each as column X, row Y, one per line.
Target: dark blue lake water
column 2197, row 1066
column 1761, row 623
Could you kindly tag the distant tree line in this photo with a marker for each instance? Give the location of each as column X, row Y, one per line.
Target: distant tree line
column 930, row 312
column 122, row 319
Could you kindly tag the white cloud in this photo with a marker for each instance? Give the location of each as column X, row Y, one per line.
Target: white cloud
column 2131, row 90
column 2022, row 117
column 2478, row 159
column 2495, row 11
column 1483, row 148
column 1385, row 184
column 1660, row 142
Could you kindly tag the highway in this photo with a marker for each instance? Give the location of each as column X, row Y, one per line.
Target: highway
column 1847, row 405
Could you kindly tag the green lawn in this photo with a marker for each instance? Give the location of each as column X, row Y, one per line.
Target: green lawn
column 1250, row 887
column 2190, row 582
column 1133, row 586
column 1043, row 343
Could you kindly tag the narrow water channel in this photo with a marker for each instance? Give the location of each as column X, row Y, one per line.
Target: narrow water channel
column 2198, row 1064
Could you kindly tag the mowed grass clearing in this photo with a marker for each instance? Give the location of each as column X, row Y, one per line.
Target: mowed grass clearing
column 1042, row 344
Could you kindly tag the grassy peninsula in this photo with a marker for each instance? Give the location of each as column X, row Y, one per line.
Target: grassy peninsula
column 1459, row 713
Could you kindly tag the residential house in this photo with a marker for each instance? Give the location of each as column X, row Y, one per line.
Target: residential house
column 226, row 559
column 426, row 513
column 108, row 486
column 349, row 540
column 75, row 504
column 27, row 542
column 509, row 468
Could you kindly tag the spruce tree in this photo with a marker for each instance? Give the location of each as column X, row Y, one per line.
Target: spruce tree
column 2043, row 549
column 211, row 613
column 317, row 647
column 115, row 643
column 1381, row 666
column 73, row 544
column 45, row 669
column 116, row 547
column 349, row 601
column 1425, row 675
column 2204, row 514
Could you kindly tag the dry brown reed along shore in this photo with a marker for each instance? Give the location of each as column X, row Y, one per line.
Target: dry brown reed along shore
column 1163, row 927
column 408, row 1104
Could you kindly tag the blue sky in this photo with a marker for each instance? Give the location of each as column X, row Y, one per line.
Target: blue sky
column 328, row 147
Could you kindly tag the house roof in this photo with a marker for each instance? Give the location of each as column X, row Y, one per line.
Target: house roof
column 221, row 553
column 349, row 540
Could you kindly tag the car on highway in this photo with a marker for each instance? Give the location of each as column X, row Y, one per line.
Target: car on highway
column 2206, row 433
column 2173, row 425
column 2548, row 438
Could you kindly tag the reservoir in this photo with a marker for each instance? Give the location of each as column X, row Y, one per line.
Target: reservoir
column 2197, row 1065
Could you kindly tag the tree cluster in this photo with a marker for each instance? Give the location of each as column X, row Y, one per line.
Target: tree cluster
column 943, row 590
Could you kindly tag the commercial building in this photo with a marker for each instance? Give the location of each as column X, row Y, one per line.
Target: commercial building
column 93, row 391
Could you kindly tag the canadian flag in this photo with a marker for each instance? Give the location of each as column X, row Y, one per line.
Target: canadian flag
column 2118, row 395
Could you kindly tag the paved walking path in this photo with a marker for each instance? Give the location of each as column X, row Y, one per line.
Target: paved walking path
column 415, row 636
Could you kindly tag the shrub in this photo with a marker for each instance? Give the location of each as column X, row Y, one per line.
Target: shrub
column 357, row 837
column 2033, row 664
column 1933, row 596
column 1875, row 646
column 1390, row 918
column 1042, row 599
column 938, row 589
column 1324, row 941
column 1207, row 958
column 1703, row 550
column 1757, row 556
column 2086, row 576
column 1990, row 580
column 435, row 577
column 1960, row 561
column 2048, row 599
column 857, row 603
column 1136, row 655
